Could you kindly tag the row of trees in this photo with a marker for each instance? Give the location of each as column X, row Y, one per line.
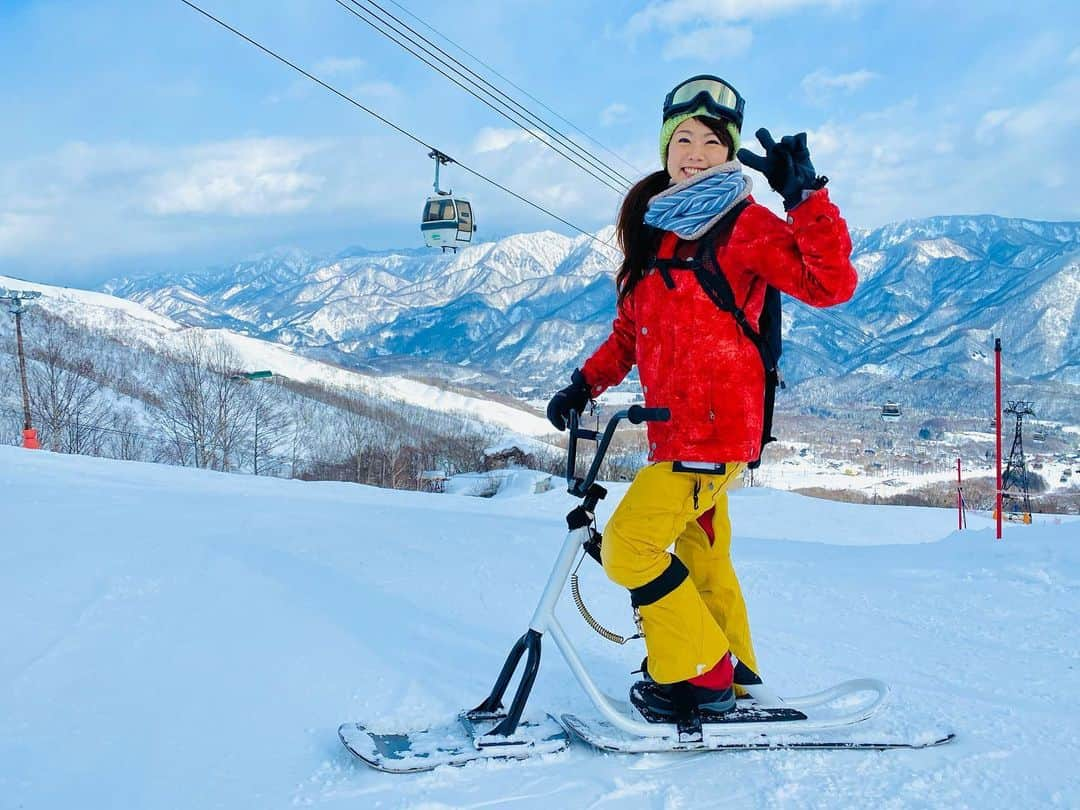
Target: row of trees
column 94, row 395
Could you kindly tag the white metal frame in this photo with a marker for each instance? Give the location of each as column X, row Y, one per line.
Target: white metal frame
column 544, row 622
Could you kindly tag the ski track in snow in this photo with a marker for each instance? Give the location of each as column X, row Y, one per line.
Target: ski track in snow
column 183, row 638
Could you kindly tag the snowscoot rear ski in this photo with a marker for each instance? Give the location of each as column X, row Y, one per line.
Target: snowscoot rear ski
column 823, row 720
column 832, row 719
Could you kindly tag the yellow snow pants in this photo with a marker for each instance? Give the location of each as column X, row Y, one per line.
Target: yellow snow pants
column 690, row 616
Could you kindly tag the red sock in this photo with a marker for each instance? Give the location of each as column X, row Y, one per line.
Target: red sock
column 720, row 676
column 705, row 522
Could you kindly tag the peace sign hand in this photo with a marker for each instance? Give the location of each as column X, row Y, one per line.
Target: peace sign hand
column 786, row 165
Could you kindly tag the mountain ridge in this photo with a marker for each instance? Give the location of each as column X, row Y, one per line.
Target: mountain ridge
column 529, row 307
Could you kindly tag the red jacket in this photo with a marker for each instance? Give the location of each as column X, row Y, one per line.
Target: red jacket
column 692, row 357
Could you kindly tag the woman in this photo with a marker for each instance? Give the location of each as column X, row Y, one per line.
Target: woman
column 694, row 359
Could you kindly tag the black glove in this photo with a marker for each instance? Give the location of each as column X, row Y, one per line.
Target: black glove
column 572, row 398
column 786, row 166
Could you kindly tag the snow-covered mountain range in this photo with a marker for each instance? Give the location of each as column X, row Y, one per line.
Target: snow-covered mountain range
column 520, row 313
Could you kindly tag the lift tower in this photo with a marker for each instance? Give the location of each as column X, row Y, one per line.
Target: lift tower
column 16, row 298
column 1016, row 475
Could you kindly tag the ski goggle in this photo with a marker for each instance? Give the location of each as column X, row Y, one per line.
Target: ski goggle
column 710, row 92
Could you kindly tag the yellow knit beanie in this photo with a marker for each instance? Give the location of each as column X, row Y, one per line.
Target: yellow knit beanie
column 672, row 124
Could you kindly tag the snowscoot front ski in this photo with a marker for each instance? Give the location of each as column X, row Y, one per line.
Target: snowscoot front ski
column 820, row 721
column 454, row 743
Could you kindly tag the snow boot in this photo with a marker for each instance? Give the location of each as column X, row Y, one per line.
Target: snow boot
column 744, row 677
column 708, row 695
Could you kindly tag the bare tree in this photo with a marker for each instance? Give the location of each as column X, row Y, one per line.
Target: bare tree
column 303, row 413
column 127, row 443
column 268, row 423
column 232, row 410
column 199, row 408
column 358, row 437
column 65, row 389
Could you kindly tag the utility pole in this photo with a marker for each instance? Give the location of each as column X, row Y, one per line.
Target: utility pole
column 15, row 298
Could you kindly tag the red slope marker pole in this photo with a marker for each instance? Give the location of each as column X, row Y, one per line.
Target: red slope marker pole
column 997, row 421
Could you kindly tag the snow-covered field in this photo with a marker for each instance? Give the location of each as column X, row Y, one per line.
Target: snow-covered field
column 180, row 638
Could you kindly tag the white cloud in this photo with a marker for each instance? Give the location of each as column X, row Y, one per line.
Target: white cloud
column 826, row 141
column 1074, row 57
column 991, row 124
column 1053, row 117
column 906, row 161
column 375, row 89
column 20, row 231
column 677, row 14
column 706, row 43
column 614, row 113
column 560, row 195
column 337, row 66
column 1039, row 53
column 88, row 203
column 701, row 29
column 822, row 83
column 240, row 178
column 490, row 139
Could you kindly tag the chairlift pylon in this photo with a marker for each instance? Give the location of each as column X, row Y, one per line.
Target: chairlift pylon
column 447, row 221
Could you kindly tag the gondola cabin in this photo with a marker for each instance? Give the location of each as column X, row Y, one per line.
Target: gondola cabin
column 447, row 222
column 890, row 412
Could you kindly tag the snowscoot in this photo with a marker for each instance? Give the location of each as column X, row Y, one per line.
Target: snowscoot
column 829, row 719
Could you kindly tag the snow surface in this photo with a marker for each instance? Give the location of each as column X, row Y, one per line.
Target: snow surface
column 184, row 638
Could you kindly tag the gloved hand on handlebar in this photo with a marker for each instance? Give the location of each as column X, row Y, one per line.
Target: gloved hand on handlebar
column 572, row 398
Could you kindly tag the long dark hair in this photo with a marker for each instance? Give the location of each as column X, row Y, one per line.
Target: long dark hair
column 638, row 240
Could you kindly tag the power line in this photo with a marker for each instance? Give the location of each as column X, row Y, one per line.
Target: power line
column 520, row 89
column 610, row 178
column 595, row 161
column 388, row 122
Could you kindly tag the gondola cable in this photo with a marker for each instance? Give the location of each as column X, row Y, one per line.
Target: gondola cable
column 637, row 170
column 388, row 122
column 615, row 182
column 490, row 88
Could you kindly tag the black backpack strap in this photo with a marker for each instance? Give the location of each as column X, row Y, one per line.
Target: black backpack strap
column 665, row 266
column 715, row 284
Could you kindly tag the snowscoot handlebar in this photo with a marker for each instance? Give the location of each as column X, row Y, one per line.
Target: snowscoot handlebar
column 635, row 415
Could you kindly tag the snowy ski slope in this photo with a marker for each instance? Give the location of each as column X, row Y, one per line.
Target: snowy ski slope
column 175, row 638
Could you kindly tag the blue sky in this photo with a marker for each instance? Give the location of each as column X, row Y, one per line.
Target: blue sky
column 140, row 137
